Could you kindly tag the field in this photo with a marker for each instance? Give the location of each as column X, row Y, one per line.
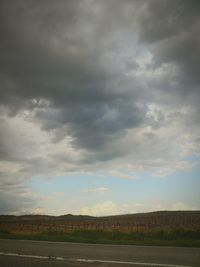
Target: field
column 171, row 228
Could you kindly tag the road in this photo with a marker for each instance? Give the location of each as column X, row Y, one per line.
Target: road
column 56, row 254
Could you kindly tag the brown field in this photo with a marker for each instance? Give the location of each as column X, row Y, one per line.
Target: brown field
column 162, row 220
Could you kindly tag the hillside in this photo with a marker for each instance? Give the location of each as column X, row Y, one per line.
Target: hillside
column 168, row 228
column 129, row 222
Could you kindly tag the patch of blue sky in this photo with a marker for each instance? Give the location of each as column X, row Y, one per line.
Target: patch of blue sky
column 181, row 186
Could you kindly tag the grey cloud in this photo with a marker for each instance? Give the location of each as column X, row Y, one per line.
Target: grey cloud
column 161, row 20
column 172, row 29
column 12, row 203
column 64, row 62
column 14, row 196
column 184, row 52
column 92, row 126
column 54, row 52
column 14, row 145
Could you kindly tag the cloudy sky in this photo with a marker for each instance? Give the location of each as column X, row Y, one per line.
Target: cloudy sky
column 99, row 106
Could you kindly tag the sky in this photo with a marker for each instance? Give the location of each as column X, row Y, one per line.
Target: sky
column 99, row 106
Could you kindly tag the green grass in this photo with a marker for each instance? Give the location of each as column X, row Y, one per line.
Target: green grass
column 177, row 237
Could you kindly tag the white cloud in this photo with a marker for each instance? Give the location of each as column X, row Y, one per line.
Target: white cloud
column 182, row 206
column 111, row 208
column 101, row 209
column 38, row 211
column 121, row 175
column 101, row 189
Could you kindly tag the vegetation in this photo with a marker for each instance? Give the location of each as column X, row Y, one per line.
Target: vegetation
column 158, row 228
column 179, row 237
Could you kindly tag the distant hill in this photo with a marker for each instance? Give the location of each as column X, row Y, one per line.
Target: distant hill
column 155, row 214
column 31, row 217
column 74, row 217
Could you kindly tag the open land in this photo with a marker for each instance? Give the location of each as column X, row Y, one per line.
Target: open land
column 167, row 228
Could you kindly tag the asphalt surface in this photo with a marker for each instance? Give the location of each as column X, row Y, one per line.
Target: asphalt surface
column 55, row 254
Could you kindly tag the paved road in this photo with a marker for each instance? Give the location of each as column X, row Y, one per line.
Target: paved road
column 67, row 254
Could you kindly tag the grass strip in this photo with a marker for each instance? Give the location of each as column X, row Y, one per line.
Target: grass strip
column 185, row 238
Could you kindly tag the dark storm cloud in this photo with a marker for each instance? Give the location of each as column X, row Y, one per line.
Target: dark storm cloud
column 53, row 51
column 164, row 19
column 173, row 27
column 67, row 53
column 43, row 54
column 93, row 125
